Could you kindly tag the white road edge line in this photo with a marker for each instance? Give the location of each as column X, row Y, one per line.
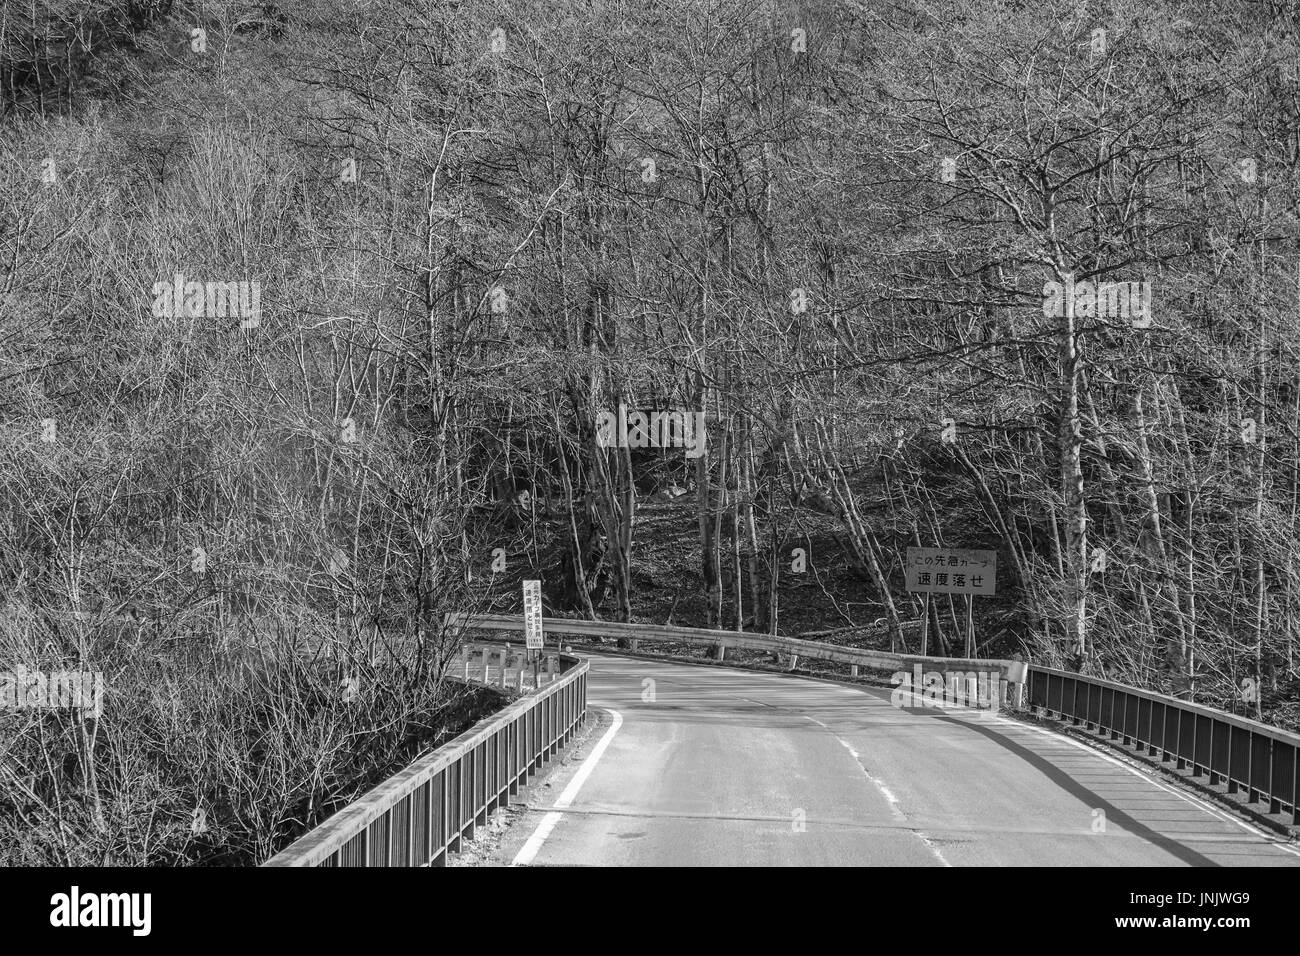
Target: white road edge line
column 1211, row 809
column 534, row 844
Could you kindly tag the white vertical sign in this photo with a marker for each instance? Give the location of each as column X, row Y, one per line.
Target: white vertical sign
column 533, row 615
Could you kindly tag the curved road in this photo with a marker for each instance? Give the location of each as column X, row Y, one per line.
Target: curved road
column 717, row 766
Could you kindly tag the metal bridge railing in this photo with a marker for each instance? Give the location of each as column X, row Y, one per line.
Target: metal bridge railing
column 1010, row 675
column 1241, row 754
column 419, row 815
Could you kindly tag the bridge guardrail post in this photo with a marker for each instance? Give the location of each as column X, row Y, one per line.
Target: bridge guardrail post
column 1017, row 675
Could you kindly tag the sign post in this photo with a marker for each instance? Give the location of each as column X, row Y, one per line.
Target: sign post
column 533, row 637
column 925, row 625
column 970, row 625
column 951, row 571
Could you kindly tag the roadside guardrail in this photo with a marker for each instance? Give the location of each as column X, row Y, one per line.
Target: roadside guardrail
column 1235, row 752
column 1011, row 674
column 422, row 813
column 503, row 666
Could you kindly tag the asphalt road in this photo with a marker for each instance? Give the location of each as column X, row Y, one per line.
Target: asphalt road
column 716, row 766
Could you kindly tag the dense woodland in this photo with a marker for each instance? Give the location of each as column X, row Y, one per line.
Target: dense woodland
column 476, row 226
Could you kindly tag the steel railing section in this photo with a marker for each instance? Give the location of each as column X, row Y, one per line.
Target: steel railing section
column 422, row 813
column 1241, row 754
